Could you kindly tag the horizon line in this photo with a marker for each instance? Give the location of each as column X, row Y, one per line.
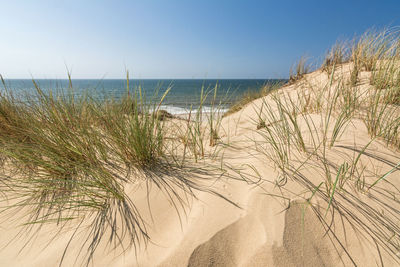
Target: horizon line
column 145, row 78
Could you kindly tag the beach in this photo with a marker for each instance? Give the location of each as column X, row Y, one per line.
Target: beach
column 300, row 173
column 243, row 214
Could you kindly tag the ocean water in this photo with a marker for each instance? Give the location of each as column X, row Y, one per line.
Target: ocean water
column 183, row 95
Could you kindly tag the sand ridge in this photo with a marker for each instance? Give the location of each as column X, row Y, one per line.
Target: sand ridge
column 264, row 230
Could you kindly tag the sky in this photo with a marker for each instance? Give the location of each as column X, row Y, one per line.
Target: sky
column 221, row 39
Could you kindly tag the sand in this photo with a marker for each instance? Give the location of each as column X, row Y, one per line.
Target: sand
column 264, row 230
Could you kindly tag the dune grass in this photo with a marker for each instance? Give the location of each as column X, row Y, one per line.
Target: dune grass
column 299, row 69
column 201, row 133
column 69, row 158
column 337, row 55
column 251, row 95
column 298, row 147
column 301, row 138
column 62, row 170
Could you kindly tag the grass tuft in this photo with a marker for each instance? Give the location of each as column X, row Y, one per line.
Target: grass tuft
column 301, row 68
column 69, row 159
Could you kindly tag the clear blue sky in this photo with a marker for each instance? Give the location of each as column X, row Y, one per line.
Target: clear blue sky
column 177, row 39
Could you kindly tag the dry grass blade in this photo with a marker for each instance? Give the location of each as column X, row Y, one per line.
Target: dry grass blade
column 71, row 157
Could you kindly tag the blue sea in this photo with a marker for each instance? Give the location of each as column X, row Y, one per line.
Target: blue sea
column 183, row 95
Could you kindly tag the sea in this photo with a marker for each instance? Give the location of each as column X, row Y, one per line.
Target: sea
column 183, row 94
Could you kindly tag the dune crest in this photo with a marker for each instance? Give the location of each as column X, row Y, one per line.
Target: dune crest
column 305, row 175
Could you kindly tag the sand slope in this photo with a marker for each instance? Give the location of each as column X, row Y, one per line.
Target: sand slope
column 264, row 231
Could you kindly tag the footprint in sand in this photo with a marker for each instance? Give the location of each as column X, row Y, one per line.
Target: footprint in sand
column 244, row 243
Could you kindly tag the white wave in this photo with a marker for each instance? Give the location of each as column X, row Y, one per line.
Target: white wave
column 180, row 110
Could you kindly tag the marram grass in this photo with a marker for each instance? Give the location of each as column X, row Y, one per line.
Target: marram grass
column 300, row 136
column 69, row 158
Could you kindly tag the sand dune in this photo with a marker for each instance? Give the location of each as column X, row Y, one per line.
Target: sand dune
column 265, row 230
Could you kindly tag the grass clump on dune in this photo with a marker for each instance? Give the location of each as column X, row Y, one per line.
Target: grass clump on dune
column 337, row 55
column 133, row 131
column 303, row 142
column 70, row 158
column 302, row 67
column 64, row 172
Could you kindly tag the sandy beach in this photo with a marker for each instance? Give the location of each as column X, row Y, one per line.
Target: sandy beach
column 261, row 220
column 199, row 133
